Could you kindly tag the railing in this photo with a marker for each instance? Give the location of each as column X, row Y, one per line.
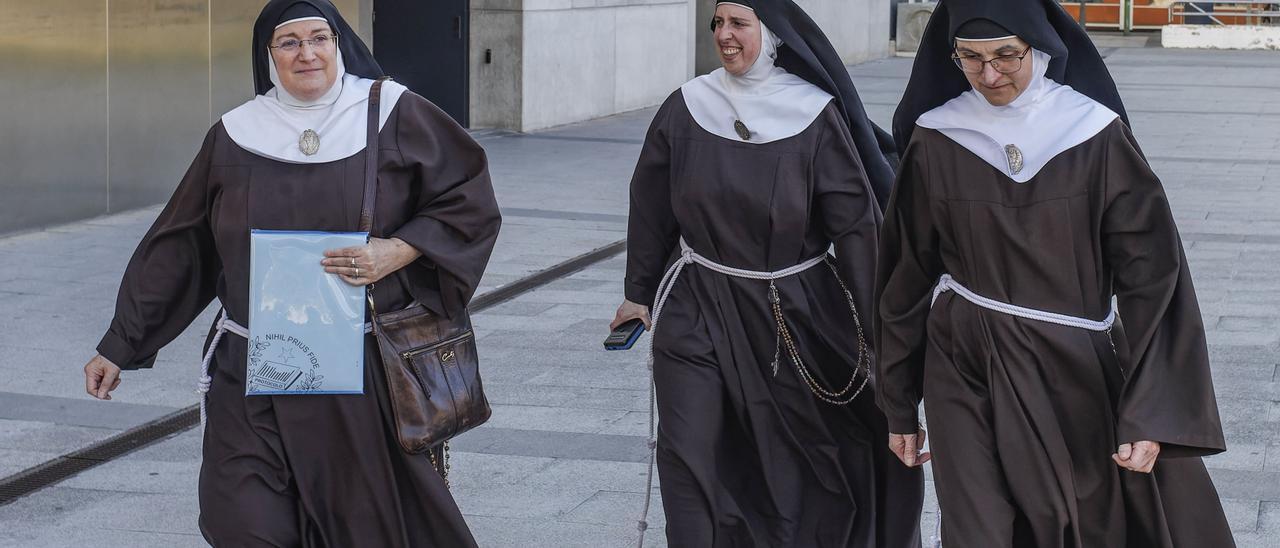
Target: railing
column 1226, row 12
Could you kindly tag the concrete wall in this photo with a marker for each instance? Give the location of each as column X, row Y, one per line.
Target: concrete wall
column 555, row 62
column 1221, row 37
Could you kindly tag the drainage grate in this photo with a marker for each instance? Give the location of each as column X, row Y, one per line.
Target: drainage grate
column 53, row 471
column 56, row 470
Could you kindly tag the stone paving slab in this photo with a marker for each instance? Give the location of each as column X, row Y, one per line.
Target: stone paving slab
column 563, row 462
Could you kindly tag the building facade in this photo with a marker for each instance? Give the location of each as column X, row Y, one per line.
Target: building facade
column 108, row 100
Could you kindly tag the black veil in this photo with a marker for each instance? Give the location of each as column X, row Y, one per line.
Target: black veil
column 355, row 55
column 1041, row 23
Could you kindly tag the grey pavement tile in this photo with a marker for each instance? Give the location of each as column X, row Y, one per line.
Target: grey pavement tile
column 504, row 441
column 506, row 532
column 568, row 396
column 50, row 438
column 13, row 461
column 605, row 508
column 1248, row 457
column 470, row 470
column 553, row 419
column 135, row 475
column 81, row 411
column 1247, row 485
column 593, row 474
column 518, row 308
column 1242, row 515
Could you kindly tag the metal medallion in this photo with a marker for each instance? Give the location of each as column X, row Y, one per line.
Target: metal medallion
column 309, row 142
column 1015, row 158
column 742, row 130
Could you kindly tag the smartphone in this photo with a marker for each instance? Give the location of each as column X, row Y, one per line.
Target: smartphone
column 624, row 336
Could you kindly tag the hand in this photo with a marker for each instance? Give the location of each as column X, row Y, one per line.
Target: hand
column 907, row 448
column 1139, row 456
column 366, row 264
column 628, row 311
column 101, row 377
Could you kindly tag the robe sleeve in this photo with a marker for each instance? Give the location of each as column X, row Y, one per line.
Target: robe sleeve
column 909, row 266
column 456, row 218
column 172, row 275
column 848, row 211
column 652, row 231
column 1168, row 394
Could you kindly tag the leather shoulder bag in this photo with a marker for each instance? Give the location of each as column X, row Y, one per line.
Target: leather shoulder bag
column 430, row 360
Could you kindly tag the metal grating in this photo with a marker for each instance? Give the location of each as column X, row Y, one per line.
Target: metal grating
column 53, row 471
column 50, row 472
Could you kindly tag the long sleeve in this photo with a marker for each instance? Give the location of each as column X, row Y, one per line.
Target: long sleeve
column 456, row 218
column 652, row 232
column 848, row 211
column 1168, row 394
column 172, row 275
column 909, row 266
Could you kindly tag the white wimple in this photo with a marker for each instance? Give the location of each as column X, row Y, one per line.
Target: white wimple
column 224, row 325
column 688, row 257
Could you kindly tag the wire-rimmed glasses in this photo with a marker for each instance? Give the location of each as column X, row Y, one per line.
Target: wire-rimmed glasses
column 292, row 45
column 1004, row 64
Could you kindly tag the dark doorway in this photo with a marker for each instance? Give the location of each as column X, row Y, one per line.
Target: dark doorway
column 423, row 45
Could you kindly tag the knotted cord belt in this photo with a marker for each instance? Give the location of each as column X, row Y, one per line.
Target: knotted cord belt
column 224, row 325
column 782, row 337
column 947, row 283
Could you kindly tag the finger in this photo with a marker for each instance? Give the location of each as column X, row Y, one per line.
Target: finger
column 104, row 387
column 923, row 458
column 343, row 261
column 91, row 381
column 116, row 384
column 344, row 252
column 909, row 449
column 1125, row 451
column 1138, row 456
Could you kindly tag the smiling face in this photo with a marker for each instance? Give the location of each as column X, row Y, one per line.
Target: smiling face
column 737, row 33
column 310, row 71
column 999, row 89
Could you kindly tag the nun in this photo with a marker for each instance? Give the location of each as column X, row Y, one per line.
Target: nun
column 1033, row 291
column 310, row 470
column 768, row 433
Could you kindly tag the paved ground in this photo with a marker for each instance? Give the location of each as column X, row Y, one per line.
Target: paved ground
column 562, row 461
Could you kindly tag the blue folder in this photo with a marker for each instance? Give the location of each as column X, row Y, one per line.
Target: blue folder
column 306, row 326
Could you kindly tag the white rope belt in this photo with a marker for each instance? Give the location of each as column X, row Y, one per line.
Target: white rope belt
column 688, row 257
column 224, row 325
column 947, row 283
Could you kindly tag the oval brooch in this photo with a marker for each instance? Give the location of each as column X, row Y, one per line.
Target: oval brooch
column 309, row 142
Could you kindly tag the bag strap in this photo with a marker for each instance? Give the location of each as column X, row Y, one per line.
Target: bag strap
column 371, row 157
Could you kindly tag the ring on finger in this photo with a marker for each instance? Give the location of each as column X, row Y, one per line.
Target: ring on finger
column 357, row 272
column 353, row 262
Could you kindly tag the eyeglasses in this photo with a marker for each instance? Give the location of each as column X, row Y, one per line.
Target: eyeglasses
column 1004, row 64
column 319, row 41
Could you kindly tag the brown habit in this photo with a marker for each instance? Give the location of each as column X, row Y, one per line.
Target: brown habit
column 1024, row 415
column 746, row 457
column 319, row 470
